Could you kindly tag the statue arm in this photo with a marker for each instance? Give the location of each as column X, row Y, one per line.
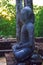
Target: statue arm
column 30, row 43
column 30, row 30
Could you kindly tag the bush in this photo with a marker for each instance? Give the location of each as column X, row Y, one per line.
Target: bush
column 7, row 20
column 39, row 22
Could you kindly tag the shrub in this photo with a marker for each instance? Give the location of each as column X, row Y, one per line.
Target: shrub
column 39, row 22
column 7, row 20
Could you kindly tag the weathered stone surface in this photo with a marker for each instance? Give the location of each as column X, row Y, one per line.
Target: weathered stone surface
column 25, row 48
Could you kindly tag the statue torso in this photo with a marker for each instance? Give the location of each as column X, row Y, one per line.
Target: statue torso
column 25, row 33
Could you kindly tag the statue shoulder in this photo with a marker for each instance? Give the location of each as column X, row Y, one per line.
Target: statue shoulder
column 30, row 26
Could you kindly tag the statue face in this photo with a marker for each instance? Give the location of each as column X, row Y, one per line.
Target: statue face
column 25, row 14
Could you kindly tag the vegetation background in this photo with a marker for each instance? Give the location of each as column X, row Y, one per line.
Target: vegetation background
column 8, row 19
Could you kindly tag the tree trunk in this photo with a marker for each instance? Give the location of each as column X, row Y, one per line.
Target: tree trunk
column 18, row 9
column 18, row 27
column 28, row 3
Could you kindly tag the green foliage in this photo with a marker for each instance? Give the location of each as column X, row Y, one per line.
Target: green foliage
column 7, row 19
column 7, row 27
column 38, row 21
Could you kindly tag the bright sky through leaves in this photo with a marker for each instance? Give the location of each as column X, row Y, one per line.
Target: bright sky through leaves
column 38, row 2
column 35, row 2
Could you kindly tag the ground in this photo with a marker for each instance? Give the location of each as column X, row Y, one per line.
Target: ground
column 2, row 61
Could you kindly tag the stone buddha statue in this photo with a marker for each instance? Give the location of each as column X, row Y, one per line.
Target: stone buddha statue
column 24, row 49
